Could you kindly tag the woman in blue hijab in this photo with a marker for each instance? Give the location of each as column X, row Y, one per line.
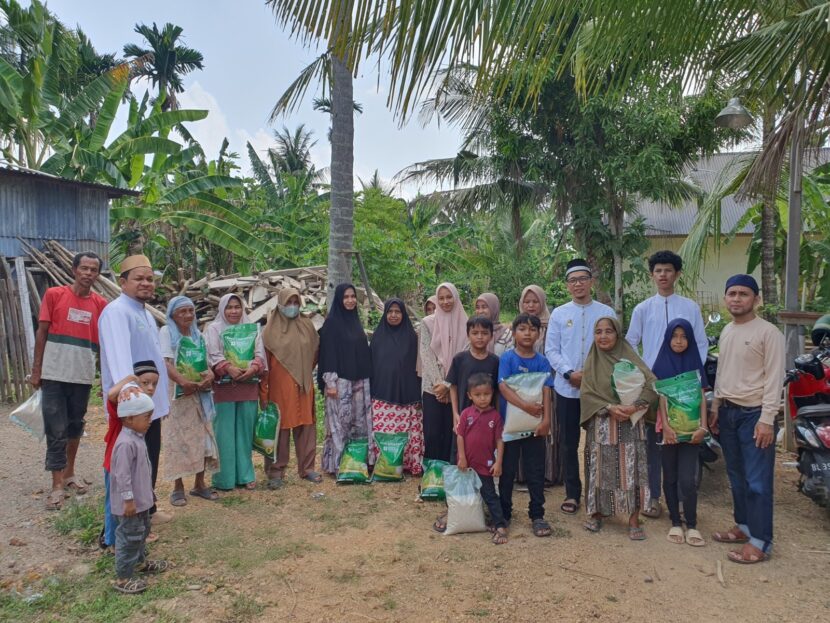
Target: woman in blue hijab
column 679, row 354
column 187, row 432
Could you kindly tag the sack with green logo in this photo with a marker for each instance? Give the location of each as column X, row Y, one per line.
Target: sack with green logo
column 389, row 466
column 239, row 344
column 354, row 462
column 266, row 430
column 682, row 394
column 191, row 359
column 432, row 482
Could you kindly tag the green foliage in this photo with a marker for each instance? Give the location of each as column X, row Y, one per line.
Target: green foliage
column 81, row 520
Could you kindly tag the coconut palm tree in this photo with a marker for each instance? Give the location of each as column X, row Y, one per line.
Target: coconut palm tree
column 171, row 60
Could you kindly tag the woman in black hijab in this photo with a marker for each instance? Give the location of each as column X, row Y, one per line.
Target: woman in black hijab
column 343, row 376
column 396, row 387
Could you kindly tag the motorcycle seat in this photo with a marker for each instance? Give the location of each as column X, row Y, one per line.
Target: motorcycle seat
column 814, row 411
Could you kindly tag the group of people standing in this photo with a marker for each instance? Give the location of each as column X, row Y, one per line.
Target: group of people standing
column 418, row 382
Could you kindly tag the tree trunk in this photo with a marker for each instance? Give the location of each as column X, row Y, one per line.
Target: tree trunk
column 516, row 220
column 769, row 288
column 341, row 213
column 615, row 222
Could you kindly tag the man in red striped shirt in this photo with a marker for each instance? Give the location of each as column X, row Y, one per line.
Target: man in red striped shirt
column 66, row 345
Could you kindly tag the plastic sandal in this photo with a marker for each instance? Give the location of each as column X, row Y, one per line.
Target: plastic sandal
column 676, row 535
column 178, row 498
column 73, row 482
column 133, row 586
column 55, row 500
column 206, row 494
column 154, row 566
column 730, row 536
column 636, row 534
column 541, row 528
column 747, row 559
column 694, row 538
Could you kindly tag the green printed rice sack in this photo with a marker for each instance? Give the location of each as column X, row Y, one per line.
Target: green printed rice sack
column 239, row 344
column 354, row 462
column 389, row 466
column 432, row 482
column 191, row 359
column 682, row 393
column 266, row 430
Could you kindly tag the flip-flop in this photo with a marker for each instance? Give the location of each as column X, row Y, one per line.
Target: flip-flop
column 730, row 536
column 593, row 524
column 275, row 483
column 738, row 556
column 440, row 524
column 54, row 501
column 636, row 534
column 313, row 477
column 250, row 486
column 73, row 482
column 178, row 498
column 569, row 507
column 676, row 535
column 206, row 494
column 694, row 538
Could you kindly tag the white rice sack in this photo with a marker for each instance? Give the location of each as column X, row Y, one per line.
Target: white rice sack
column 465, row 510
column 530, row 387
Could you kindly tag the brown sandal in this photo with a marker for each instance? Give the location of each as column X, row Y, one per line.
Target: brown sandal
column 744, row 557
column 130, row 586
column 78, row 484
column 55, row 500
column 734, row 535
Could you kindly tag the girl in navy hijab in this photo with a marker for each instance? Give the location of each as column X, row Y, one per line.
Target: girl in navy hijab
column 679, row 354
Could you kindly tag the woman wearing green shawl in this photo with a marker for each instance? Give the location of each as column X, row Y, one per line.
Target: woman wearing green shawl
column 616, row 468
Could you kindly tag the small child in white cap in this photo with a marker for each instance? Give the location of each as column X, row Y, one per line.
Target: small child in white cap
column 131, row 496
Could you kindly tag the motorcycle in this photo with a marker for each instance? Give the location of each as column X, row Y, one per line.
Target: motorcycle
column 710, row 449
column 807, row 388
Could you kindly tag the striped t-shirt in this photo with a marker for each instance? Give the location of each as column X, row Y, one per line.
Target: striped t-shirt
column 72, row 341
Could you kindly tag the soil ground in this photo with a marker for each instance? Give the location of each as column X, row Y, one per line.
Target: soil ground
column 368, row 553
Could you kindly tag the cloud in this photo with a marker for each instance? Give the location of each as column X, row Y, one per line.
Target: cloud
column 211, row 131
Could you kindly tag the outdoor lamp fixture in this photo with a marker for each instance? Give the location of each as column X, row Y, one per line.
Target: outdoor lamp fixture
column 734, row 116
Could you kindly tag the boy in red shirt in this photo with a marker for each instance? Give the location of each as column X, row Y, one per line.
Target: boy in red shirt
column 480, row 446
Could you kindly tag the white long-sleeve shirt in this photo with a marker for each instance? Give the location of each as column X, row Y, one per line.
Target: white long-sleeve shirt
column 651, row 317
column 127, row 334
column 569, row 338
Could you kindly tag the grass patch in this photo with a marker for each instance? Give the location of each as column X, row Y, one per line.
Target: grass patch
column 88, row 600
column 344, row 576
column 233, row 500
column 559, row 532
column 479, row 612
column 243, row 609
column 389, row 604
column 81, row 520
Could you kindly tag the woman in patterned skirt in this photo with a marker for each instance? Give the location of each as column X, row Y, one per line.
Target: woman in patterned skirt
column 343, row 375
column 616, row 468
column 396, row 388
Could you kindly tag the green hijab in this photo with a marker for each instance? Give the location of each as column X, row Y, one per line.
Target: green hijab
column 596, row 391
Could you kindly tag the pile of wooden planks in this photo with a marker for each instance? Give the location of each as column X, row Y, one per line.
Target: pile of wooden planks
column 24, row 280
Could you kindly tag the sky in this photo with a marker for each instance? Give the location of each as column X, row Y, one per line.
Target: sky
column 249, row 62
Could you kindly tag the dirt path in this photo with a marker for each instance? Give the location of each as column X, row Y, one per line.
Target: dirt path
column 367, row 553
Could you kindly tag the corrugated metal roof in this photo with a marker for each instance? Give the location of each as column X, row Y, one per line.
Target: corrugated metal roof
column 709, row 174
column 37, row 207
column 112, row 191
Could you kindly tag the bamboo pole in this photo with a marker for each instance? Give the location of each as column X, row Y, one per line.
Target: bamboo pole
column 5, row 359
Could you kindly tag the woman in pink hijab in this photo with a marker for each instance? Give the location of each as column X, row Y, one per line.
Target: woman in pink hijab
column 534, row 301
column 442, row 336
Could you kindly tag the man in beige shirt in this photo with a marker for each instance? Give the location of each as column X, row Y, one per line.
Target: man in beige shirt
column 747, row 398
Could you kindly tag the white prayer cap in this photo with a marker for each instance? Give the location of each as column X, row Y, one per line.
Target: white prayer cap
column 136, row 404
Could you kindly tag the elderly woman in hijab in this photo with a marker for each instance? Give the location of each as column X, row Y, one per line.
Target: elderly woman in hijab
column 488, row 305
column 534, row 301
column 343, row 374
column 187, row 434
column 442, row 336
column 396, row 388
column 292, row 346
column 236, row 394
column 616, row 467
